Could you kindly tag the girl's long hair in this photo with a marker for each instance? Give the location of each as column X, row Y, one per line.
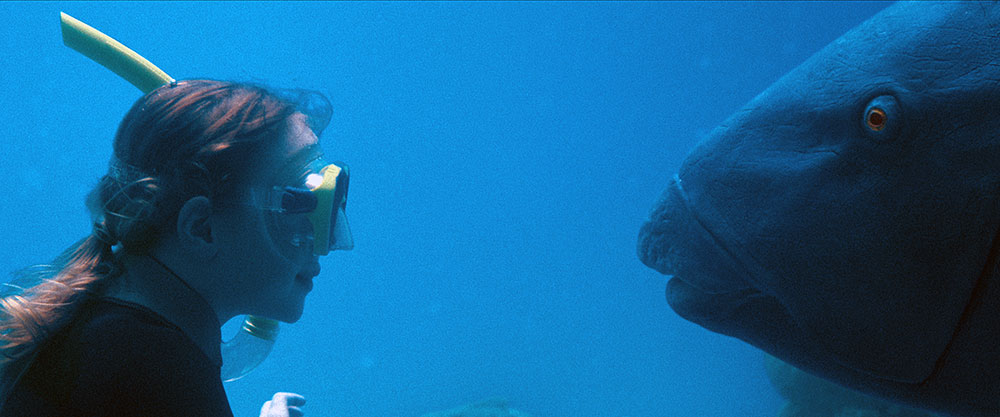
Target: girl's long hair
column 185, row 139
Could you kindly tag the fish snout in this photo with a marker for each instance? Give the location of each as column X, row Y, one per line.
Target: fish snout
column 677, row 243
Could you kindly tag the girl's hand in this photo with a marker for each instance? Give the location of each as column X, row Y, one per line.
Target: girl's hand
column 283, row 404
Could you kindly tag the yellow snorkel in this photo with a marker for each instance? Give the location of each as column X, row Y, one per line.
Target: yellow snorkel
column 256, row 337
column 112, row 54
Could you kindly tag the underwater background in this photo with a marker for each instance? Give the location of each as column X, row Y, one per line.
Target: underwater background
column 503, row 158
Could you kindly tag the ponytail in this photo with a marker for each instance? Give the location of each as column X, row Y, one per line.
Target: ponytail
column 40, row 300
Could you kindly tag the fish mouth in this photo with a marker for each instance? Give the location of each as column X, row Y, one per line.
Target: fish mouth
column 704, row 273
column 711, row 310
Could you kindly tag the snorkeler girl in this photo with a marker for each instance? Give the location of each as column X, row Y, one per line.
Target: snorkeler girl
column 208, row 211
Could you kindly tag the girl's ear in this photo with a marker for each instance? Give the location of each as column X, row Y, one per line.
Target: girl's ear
column 194, row 227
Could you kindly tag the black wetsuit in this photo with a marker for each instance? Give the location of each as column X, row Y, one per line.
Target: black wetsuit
column 120, row 359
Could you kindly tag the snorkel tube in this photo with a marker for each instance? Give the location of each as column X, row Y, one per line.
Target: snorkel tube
column 256, row 337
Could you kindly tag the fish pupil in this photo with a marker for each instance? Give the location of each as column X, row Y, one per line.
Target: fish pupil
column 876, row 119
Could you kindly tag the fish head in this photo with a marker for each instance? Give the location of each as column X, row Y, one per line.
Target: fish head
column 842, row 219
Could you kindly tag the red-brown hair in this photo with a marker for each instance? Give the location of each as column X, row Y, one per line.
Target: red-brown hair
column 188, row 138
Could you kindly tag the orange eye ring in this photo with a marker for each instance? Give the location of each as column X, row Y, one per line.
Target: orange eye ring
column 876, row 119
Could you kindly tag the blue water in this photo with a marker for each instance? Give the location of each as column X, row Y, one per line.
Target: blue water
column 504, row 156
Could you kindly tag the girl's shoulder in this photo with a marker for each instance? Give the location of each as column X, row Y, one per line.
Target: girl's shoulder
column 117, row 355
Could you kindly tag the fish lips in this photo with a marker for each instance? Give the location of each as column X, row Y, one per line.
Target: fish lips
column 706, row 278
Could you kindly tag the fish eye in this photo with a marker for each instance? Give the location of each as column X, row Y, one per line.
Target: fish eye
column 882, row 119
column 875, row 119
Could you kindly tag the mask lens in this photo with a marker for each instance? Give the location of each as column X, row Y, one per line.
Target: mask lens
column 290, row 230
column 341, row 232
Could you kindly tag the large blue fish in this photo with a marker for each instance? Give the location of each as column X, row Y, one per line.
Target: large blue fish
column 846, row 220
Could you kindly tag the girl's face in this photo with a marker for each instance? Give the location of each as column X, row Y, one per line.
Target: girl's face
column 275, row 272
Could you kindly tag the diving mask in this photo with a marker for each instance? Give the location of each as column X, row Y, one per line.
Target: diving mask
column 320, row 195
